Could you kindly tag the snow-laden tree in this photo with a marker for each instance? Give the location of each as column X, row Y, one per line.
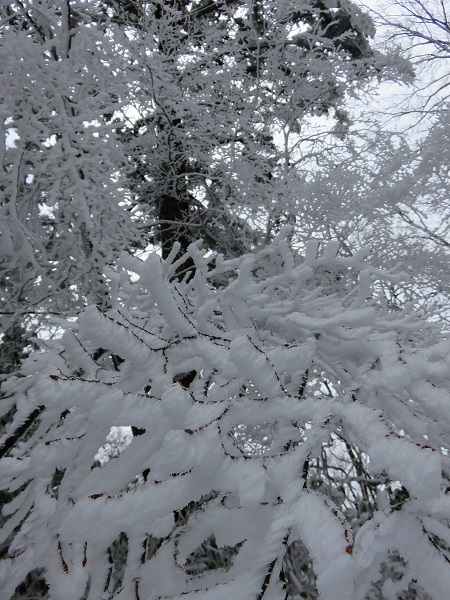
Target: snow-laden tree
column 390, row 192
column 421, row 28
column 235, row 382
column 226, row 98
column 62, row 213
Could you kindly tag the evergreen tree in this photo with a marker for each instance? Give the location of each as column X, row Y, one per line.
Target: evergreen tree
column 226, row 93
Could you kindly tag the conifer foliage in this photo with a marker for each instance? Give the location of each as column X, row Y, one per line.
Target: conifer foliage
column 233, row 382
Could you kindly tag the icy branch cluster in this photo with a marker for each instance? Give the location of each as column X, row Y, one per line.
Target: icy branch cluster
column 232, row 381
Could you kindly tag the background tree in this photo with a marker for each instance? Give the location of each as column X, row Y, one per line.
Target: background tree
column 422, row 30
column 391, row 193
column 387, row 186
column 63, row 215
column 226, row 94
